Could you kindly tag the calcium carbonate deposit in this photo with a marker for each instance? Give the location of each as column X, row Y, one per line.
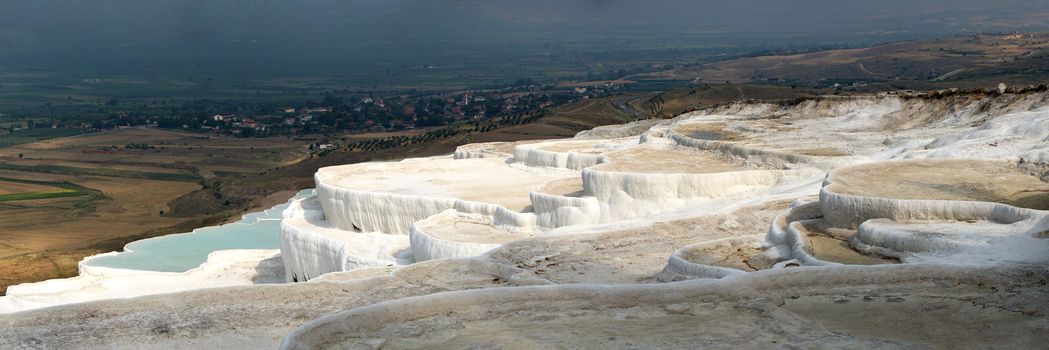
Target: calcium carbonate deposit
column 238, row 253
column 861, row 222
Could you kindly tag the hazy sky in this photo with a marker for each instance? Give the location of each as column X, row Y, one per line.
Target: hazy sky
column 130, row 32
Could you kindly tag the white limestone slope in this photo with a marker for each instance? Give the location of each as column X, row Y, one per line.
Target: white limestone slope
column 1021, row 135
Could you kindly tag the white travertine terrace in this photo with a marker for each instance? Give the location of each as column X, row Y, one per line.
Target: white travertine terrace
column 452, row 234
column 958, row 211
column 955, row 211
column 540, row 188
column 747, row 224
column 657, row 177
column 223, row 268
column 674, row 165
column 311, row 246
column 575, row 154
column 720, row 258
column 484, row 150
column 390, row 197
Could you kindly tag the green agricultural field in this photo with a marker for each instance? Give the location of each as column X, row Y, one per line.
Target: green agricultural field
column 60, row 190
column 57, row 193
column 68, row 170
column 33, row 135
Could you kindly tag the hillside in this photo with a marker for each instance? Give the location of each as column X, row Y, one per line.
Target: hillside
column 959, row 61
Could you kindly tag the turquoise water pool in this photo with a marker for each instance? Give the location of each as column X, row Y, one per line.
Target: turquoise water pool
column 184, row 251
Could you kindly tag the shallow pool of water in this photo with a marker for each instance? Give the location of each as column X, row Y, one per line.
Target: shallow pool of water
column 706, row 135
column 184, row 251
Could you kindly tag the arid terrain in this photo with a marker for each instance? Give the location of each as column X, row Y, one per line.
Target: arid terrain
column 131, row 181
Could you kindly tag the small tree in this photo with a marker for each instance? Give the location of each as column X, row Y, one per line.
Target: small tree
column 20, row 156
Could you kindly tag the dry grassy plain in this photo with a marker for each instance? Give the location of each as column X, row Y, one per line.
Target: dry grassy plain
column 132, row 192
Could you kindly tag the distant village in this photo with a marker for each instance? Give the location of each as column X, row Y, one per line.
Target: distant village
column 340, row 112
